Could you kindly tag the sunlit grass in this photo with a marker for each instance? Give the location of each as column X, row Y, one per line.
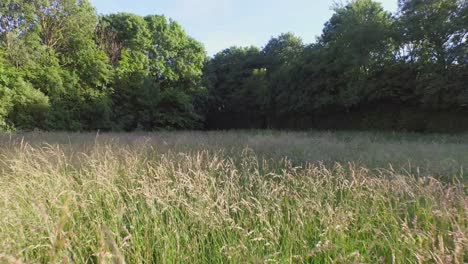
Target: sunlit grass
column 233, row 197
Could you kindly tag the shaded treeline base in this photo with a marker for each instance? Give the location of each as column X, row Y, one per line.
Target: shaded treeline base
column 63, row 67
column 385, row 118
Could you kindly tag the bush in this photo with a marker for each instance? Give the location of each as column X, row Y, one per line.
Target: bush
column 175, row 110
column 5, row 106
column 30, row 106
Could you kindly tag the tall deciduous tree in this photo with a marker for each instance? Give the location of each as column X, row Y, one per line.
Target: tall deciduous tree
column 356, row 41
column 434, row 38
column 63, row 67
column 51, row 44
column 157, row 69
column 229, row 79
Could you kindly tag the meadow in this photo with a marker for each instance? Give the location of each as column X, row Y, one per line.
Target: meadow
column 233, row 197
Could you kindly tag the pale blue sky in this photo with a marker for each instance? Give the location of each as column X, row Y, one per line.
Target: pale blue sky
column 219, row 24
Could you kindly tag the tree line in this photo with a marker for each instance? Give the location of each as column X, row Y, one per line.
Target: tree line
column 63, row 67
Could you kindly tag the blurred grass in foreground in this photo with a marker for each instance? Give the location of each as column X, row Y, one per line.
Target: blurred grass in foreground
column 238, row 197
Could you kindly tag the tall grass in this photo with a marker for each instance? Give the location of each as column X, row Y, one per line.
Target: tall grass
column 237, row 197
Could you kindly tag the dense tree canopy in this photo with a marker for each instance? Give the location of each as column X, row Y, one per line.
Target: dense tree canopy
column 369, row 69
column 157, row 69
column 63, row 67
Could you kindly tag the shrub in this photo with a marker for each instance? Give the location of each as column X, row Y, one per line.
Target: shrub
column 30, row 106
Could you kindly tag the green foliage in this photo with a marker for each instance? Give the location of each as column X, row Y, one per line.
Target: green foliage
column 46, row 74
column 366, row 61
column 92, row 66
column 5, row 94
column 282, row 50
column 174, row 56
column 30, row 106
column 435, row 37
column 131, row 30
column 131, row 90
column 158, row 68
column 175, row 111
column 123, row 71
column 356, row 42
column 118, row 71
column 230, row 79
column 21, row 105
column 435, row 29
column 5, row 106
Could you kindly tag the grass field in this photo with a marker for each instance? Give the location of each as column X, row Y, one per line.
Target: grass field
column 233, row 197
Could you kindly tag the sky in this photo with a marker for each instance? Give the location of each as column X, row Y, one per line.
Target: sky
column 220, row 24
